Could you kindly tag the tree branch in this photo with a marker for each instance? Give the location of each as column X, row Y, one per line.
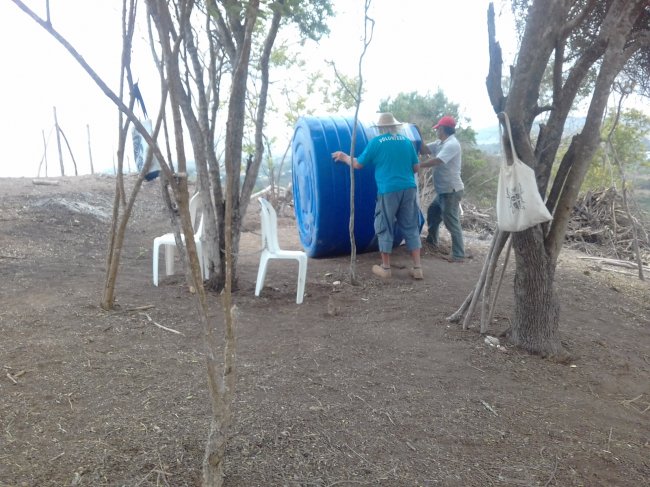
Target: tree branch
column 493, row 79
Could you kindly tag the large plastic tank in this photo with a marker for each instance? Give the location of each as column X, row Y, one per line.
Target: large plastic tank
column 321, row 187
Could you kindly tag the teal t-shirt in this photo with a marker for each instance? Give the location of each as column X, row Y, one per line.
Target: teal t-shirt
column 393, row 156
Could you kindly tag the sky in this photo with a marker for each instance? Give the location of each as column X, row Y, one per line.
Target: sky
column 418, row 45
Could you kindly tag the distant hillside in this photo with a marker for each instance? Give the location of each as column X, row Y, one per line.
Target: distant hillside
column 487, row 139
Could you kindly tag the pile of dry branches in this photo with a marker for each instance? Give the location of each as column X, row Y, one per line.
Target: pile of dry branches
column 478, row 220
column 600, row 225
column 475, row 219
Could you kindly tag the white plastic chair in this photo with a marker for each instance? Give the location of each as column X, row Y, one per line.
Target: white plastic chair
column 169, row 243
column 271, row 250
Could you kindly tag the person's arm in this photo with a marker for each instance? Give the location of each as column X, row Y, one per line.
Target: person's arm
column 424, row 149
column 443, row 153
column 434, row 161
column 343, row 157
column 415, row 160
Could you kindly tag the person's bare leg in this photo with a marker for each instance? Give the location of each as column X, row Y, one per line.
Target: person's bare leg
column 416, row 272
column 415, row 255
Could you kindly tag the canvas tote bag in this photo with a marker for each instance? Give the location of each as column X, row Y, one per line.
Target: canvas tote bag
column 519, row 204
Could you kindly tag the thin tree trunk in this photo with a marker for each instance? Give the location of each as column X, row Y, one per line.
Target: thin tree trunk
column 619, row 165
column 58, row 141
column 368, row 30
column 221, row 380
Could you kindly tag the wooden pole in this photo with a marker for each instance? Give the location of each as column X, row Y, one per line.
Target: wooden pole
column 44, row 158
column 74, row 162
column 58, row 142
column 90, row 152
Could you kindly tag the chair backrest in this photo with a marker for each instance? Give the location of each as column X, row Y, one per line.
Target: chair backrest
column 195, row 206
column 269, row 226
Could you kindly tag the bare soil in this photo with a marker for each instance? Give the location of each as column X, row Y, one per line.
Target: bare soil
column 359, row 385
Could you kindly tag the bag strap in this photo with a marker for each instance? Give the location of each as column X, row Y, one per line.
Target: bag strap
column 512, row 145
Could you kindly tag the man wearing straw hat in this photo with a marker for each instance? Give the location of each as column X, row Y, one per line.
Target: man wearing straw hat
column 395, row 161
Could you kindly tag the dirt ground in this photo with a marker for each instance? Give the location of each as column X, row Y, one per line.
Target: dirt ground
column 359, row 385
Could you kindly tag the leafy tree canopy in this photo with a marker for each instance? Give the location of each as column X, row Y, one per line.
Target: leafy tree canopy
column 309, row 16
column 586, row 34
column 425, row 110
column 627, row 146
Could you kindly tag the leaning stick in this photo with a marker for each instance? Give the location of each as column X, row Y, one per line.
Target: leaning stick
column 480, row 283
column 458, row 314
column 130, row 310
column 496, row 292
column 487, row 288
column 455, row 317
column 161, row 326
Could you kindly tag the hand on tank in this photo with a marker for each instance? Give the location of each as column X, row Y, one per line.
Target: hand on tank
column 339, row 156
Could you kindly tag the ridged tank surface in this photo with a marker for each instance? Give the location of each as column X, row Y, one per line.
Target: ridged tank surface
column 321, row 187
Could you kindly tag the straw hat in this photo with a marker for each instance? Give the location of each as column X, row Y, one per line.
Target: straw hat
column 387, row 120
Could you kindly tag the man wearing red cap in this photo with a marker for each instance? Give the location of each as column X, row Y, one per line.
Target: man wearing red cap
column 446, row 161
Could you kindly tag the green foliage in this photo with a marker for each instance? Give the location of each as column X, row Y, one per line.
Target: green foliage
column 480, row 174
column 339, row 95
column 284, row 56
column 628, row 137
column 314, row 92
column 424, row 111
column 421, row 110
column 309, row 16
column 584, row 35
column 627, row 147
column 601, row 174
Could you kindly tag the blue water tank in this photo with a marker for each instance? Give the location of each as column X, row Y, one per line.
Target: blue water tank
column 321, row 187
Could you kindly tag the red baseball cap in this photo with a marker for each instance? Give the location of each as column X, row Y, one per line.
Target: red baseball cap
column 446, row 121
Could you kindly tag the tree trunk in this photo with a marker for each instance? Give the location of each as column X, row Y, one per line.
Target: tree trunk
column 215, row 450
column 549, row 24
column 537, row 307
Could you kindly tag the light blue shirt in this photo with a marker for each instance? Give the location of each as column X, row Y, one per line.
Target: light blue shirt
column 393, row 157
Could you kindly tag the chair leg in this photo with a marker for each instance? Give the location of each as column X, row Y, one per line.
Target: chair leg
column 261, row 272
column 170, row 254
column 156, row 250
column 205, row 270
column 206, row 267
column 199, row 253
column 302, row 277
